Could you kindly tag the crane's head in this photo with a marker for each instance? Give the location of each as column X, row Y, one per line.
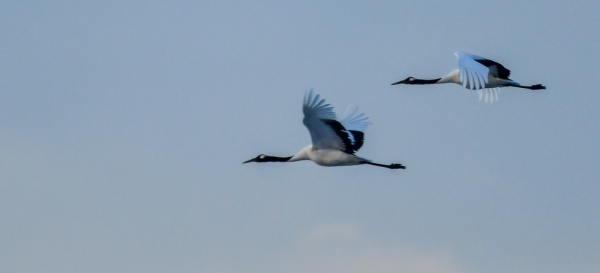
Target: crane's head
column 259, row 158
column 266, row 158
column 408, row 80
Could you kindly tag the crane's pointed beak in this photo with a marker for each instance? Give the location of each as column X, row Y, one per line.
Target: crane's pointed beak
column 402, row 81
column 250, row 160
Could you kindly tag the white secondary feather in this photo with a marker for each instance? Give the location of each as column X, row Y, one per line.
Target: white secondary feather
column 489, row 94
column 316, row 111
column 473, row 75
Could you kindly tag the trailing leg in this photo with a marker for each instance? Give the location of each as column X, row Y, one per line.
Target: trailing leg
column 532, row 87
column 391, row 166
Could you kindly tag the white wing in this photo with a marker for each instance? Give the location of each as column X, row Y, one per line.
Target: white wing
column 354, row 121
column 320, row 120
column 473, row 75
column 489, row 94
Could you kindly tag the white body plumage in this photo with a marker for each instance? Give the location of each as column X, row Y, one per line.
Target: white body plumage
column 476, row 73
column 334, row 142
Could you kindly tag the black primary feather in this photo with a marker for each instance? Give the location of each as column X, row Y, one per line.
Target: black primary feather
column 503, row 72
column 342, row 133
column 359, row 139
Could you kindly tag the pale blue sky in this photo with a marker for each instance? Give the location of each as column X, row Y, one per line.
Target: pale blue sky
column 123, row 127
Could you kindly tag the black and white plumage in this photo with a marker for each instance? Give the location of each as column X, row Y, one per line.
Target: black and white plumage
column 334, row 141
column 476, row 73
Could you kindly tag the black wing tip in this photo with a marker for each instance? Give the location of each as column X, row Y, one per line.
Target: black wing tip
column 342, row 133
column 503, row 72
column 359, row 140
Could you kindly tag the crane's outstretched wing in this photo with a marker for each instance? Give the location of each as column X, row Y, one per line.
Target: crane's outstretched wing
column 320, row 120
column 473, row 73
column 496, row 70
column 355, row 123
column 474, row 68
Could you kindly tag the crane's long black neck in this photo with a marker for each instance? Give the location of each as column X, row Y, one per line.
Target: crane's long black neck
column 411, row 80
column 421, row 81
column 391, row 166
column 268, row 158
